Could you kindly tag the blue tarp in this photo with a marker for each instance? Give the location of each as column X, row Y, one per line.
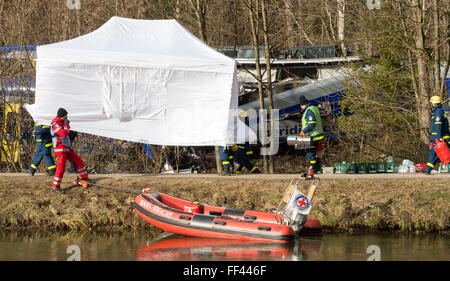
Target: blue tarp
column 16, row 48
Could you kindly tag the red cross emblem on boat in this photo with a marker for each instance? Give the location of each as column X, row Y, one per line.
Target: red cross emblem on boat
column 302, row 202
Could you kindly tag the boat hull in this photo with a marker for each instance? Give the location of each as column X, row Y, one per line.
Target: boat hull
column 174, row 220
column 186, row 218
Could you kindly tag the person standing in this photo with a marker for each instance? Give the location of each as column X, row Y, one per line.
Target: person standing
column 72, row 137
column 43, row 140
column 312, row 127
column 63, row 149
column 439, row 130
column 226, row 158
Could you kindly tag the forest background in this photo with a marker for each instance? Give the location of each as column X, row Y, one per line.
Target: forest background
column 403, row 44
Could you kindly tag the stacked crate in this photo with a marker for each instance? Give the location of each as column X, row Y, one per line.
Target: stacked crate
column 363, row 168
column 341, row 168
column 444, row 168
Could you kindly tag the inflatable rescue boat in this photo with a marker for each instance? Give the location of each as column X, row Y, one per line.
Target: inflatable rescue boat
column 202, row 220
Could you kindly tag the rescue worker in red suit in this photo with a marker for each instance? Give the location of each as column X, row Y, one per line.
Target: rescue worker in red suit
column 60, row 135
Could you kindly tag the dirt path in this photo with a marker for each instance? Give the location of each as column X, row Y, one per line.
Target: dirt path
column 381, row 176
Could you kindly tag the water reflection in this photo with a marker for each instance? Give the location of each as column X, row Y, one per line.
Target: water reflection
column 128, row 246
column 201, row 249
column 48, row 246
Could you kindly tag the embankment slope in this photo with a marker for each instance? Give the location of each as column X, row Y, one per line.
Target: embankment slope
column 379, row 202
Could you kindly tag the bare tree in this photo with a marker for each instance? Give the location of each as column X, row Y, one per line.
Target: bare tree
column 418, row 18
column 253, row 12
column 341, row 25
column 199, row 8
column 265, row 29
column 436, row 39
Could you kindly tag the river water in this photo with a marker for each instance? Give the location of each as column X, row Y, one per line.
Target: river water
column 28, row 246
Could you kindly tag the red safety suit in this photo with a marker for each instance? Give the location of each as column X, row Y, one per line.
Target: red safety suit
column 64, row 151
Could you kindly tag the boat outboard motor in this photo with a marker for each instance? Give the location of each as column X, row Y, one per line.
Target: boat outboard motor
column 297, row 210
column 296, row 205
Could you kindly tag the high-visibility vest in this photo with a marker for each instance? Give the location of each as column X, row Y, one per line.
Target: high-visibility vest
column 318, row 129
column 56, row 139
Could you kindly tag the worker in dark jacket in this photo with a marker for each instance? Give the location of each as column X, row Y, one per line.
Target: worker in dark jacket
column 225, row 154
column 43, row 140
column 439, row 130
column 72, row 136
column 312, row 127
column 241, row 155
column 238, row 154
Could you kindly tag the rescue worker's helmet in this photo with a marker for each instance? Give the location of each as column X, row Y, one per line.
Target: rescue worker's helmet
column 242, row 113
column 435, row 99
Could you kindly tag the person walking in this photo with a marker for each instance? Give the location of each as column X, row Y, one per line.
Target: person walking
column 63, row 149
column 312, row 127
column 439, row 130
column 43, row 140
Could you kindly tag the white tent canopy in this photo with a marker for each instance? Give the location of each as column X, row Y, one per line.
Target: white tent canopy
column 148, row 81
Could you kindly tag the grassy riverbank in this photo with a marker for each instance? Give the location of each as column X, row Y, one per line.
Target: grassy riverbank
column 404, row 204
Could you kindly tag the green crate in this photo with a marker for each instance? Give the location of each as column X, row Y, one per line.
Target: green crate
column 362, row 168
column 381, row 167
column 338, row 168
column 390, row 167
column 444, row 168
column 373, row 167
column 352, row 168
column 341, row 168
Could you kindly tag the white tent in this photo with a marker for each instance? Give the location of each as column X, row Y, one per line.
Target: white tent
column 148, row 81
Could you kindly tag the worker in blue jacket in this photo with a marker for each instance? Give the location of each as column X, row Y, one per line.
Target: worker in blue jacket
column 237, row 153
column 241, row 155
column 225, row 155
column 44, row 144
column 72, row 136
column 439, row 130
column 312, row 127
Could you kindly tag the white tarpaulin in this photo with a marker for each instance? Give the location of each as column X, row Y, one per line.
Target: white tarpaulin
column 148, row 81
